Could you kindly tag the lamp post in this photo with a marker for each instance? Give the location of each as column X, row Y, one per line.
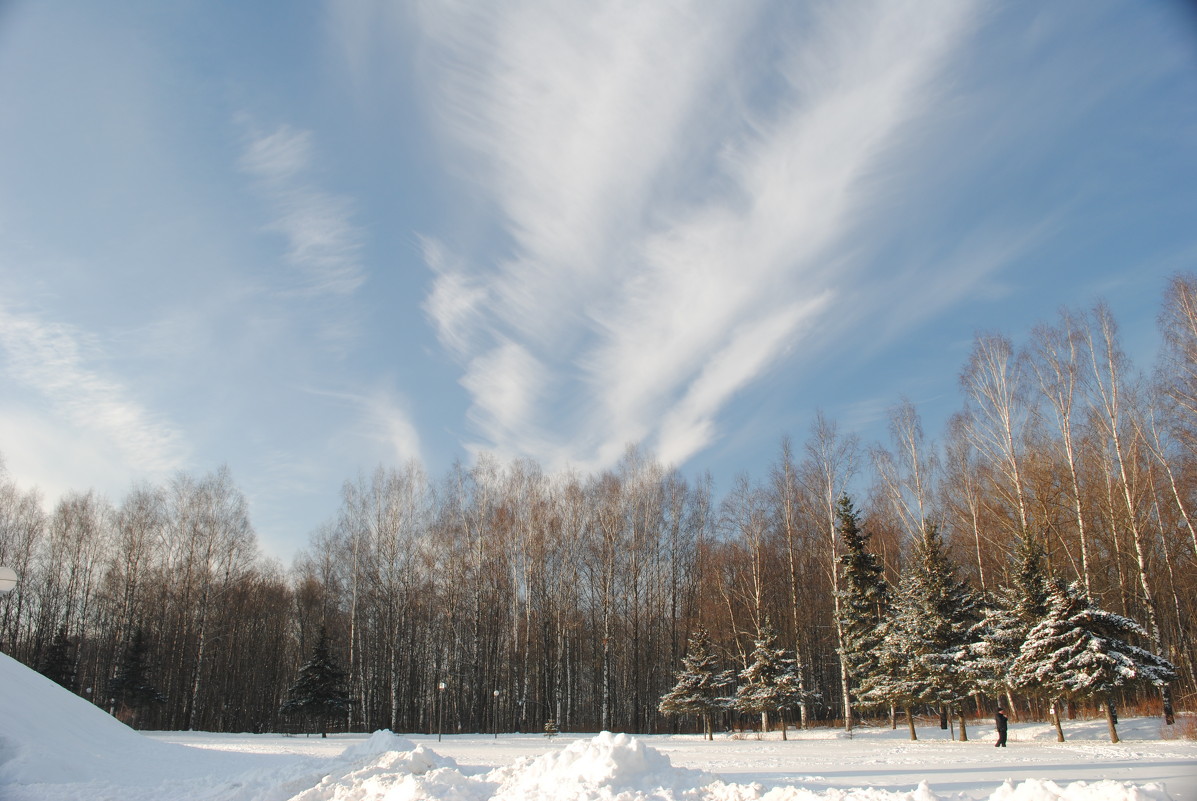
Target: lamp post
column 440, row 708
column 8, row 580
column 494, row 712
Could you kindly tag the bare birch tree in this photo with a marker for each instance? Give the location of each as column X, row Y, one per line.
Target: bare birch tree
column 996, row 407
column 1057, row 358
column 830, row 464
column 1113, row 407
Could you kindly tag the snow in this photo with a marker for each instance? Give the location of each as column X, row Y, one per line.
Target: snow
column 56, row 746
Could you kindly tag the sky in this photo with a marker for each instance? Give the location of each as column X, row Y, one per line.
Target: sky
column 307, row 239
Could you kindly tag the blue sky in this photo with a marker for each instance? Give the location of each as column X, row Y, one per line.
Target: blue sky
column 306, row 239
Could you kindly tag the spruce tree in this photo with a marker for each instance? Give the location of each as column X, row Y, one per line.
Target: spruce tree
column 892, row 681
column 1082, row 651
column 131, row 689
column 770, row 682
column 995, row 643
column 58, row 662
column 1031, row 583
column 865, row 597
column 1007, row 618
column 923, row 656
column 319, row 694
column 699, row 684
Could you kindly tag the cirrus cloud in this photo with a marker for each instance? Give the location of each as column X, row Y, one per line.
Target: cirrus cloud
column 664, row 253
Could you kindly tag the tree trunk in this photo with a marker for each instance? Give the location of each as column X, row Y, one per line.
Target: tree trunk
column 963, row 729
column 910, row 720
column 1056, row 721
column 1110, row 721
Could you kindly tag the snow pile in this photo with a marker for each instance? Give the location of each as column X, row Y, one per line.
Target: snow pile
column 33, row 735
column 376, row 769
column 1030, row 790
column 48, row 734
column 382, row 741
column 616, row 767
column 611, row 766
column 1037, row 790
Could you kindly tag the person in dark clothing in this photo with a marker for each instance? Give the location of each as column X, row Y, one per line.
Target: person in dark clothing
column 1000, row 719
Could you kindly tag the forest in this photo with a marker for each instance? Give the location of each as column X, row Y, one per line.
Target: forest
column 499, row 597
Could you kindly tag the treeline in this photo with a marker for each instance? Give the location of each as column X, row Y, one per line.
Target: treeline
column 933, row 642
column 534, row 597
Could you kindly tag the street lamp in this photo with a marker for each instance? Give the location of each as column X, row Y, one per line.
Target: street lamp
column 440, row 708
column 8, row 580
column 494, row 712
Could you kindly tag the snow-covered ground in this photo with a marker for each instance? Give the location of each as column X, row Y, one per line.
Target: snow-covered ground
column 54, row 746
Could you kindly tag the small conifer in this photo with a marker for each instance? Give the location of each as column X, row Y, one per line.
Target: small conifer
column 700, row 684
column 319, row 693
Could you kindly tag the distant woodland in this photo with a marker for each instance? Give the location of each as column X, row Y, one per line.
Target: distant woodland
column 500, row 597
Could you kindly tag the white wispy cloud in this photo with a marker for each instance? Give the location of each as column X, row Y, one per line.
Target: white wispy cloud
column 391, row 420
column 508, row 385
column 58, row 363
column 383, row 418
column 688, row 426
column 577, row 113
column 323, row 244
column 681, row 191
column 456, row 301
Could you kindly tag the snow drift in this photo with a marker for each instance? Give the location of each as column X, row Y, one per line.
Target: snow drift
column 48, row 734
column 55, row 745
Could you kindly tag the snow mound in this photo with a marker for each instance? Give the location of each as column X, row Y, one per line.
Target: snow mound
column 1043, row 790
column 50, row 735
column 412, row 775
column 55, row 721
column 608, row 766
column 920, row 793
column 1030, row 790
column 380, row 742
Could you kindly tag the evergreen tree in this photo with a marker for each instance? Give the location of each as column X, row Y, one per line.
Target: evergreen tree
column 319, row 693
column 130, row 689
column 1082, row 651
column 865, row 597
column 995, row 643
column 699, row 684
column 922, row 658
column 892, row 682
column 770, row 682
column 1007, row 618
column 58, row 663
column 1031, row 582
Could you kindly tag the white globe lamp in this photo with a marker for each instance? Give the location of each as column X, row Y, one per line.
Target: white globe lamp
column 8, row 580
